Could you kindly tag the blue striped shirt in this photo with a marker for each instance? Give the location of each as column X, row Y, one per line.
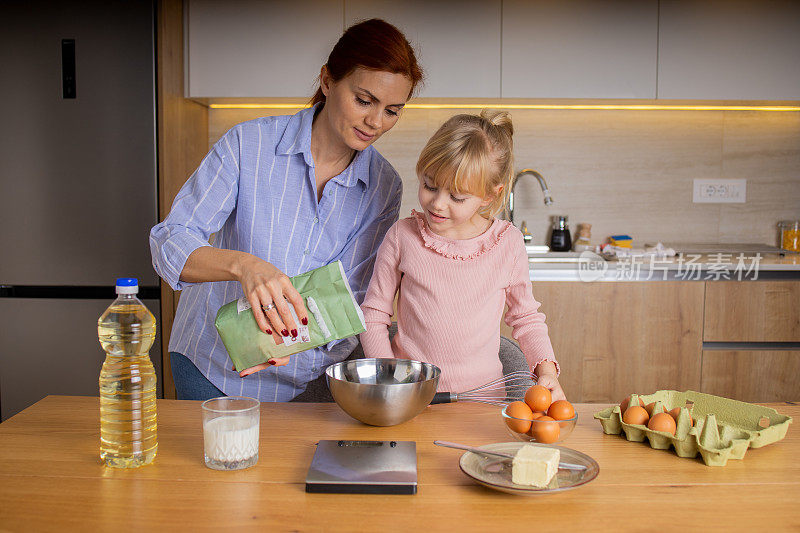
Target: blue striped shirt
column 256, row 191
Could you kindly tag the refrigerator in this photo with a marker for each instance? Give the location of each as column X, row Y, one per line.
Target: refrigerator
column 78, row 191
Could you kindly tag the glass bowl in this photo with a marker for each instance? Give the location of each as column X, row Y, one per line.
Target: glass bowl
column 544, row 431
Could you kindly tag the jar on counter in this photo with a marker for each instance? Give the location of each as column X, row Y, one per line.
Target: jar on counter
column 583, row 240
column 790, row 235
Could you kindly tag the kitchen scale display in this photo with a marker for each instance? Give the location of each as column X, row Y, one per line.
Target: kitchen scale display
column 363, row 467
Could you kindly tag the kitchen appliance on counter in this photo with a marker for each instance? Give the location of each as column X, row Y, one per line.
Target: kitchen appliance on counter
column 78, row 184
column 560, row 238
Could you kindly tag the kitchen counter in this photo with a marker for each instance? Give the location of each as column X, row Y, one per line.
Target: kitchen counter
column 51, row 478
column 683, row 267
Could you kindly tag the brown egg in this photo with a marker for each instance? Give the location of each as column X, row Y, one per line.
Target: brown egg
column 545, row 430
column 537, row 414
column 624, row 405
column 662, row 422
column 519, row 410
column 561, row 410
column 649, row 408
column 538, row 398
column 636, row 415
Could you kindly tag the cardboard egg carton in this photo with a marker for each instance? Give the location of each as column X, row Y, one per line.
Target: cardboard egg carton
column 723, row 428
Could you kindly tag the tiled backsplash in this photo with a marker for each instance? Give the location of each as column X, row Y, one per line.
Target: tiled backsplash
column 626, row 171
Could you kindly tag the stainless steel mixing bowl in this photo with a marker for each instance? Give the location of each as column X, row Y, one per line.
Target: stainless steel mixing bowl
column 383, row 392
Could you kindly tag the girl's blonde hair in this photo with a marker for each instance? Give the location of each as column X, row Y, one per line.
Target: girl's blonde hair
column 472, row 154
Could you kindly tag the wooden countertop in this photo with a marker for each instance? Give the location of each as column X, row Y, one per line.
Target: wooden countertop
column 51, row 478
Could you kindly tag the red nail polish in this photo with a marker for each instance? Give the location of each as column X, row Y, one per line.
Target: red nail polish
column 285, row 333
column 272, row 362
column 304, row 320
column 294, row 333
column 269, row 331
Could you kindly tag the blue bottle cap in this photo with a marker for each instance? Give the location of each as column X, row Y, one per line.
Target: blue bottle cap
column 127, row 286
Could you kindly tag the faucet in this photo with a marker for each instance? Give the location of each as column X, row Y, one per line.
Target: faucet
column 547, row 199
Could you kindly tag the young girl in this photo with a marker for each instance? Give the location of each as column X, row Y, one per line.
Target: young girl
column 454, row 266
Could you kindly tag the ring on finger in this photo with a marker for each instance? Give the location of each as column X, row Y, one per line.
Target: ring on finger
column 268, row 307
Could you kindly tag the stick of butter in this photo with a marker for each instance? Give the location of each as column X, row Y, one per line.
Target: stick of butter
column 534, row 465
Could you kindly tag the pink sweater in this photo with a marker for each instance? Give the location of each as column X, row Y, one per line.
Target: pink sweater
column 451, row 299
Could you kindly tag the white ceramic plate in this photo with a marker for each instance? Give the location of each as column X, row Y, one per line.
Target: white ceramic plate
column 495, row 472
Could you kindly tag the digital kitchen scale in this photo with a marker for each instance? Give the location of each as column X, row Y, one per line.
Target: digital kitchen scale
column 363, row 467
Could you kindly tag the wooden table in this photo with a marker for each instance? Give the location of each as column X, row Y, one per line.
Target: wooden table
column 51, row 478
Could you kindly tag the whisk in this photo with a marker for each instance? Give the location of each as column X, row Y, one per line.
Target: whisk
column 501, row 391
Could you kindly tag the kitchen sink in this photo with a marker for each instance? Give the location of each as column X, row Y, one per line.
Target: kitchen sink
column 557, row 257
column 543, row 254
column 536, row 248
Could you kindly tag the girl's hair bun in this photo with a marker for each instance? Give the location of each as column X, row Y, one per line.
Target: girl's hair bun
column 498, row 118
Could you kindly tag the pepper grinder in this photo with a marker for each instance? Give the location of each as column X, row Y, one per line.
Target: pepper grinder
column 560, row 239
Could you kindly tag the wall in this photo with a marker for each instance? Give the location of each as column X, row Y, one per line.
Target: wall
column 626, row 171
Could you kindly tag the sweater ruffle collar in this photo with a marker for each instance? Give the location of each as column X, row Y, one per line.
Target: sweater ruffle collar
column 462, row 249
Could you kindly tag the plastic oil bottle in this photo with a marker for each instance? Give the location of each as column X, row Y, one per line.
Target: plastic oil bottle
column 127, row 381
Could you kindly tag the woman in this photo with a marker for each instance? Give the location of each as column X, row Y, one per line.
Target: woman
column 285, row 195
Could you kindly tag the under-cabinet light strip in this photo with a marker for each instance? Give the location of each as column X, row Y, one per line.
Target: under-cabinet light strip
column 602, row 107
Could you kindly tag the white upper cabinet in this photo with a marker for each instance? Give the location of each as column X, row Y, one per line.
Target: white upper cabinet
column 580, row 48
column 457, row 42
column 255, row 48
column 626, row 49
column 729, row 49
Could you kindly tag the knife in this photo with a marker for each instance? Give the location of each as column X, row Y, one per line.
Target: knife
column 561, row 466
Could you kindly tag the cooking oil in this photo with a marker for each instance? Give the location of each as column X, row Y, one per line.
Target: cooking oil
column 126, row 331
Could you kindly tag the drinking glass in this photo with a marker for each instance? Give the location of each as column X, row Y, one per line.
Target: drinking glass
column 230, row 432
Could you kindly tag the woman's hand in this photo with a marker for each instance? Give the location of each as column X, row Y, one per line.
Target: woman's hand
column 270, row 292
column 279, row 361
column 263, row 284
column 548, row 378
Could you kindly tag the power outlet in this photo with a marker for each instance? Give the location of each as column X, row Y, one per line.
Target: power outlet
column 719, row 191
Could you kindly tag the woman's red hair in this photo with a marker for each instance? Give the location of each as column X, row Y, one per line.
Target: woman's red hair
column 373, row 44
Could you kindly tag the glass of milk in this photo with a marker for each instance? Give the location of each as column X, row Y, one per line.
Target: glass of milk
column 230, row 432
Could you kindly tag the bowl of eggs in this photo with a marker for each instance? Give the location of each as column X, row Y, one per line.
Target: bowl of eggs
column 538, row 418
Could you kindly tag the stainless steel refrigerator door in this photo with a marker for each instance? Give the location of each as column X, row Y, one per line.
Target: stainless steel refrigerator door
column 78, row 179
column 50, row 346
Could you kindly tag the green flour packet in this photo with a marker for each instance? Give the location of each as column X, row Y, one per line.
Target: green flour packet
column 333, row 313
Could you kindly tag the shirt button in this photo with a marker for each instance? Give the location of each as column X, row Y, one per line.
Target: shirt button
column 316, row 220
column 306, row 252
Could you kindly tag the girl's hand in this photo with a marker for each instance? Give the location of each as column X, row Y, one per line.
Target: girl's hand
column 270, row 293
column 546, row 372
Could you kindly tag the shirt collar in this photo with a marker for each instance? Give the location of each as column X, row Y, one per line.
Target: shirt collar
column 296, row 139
